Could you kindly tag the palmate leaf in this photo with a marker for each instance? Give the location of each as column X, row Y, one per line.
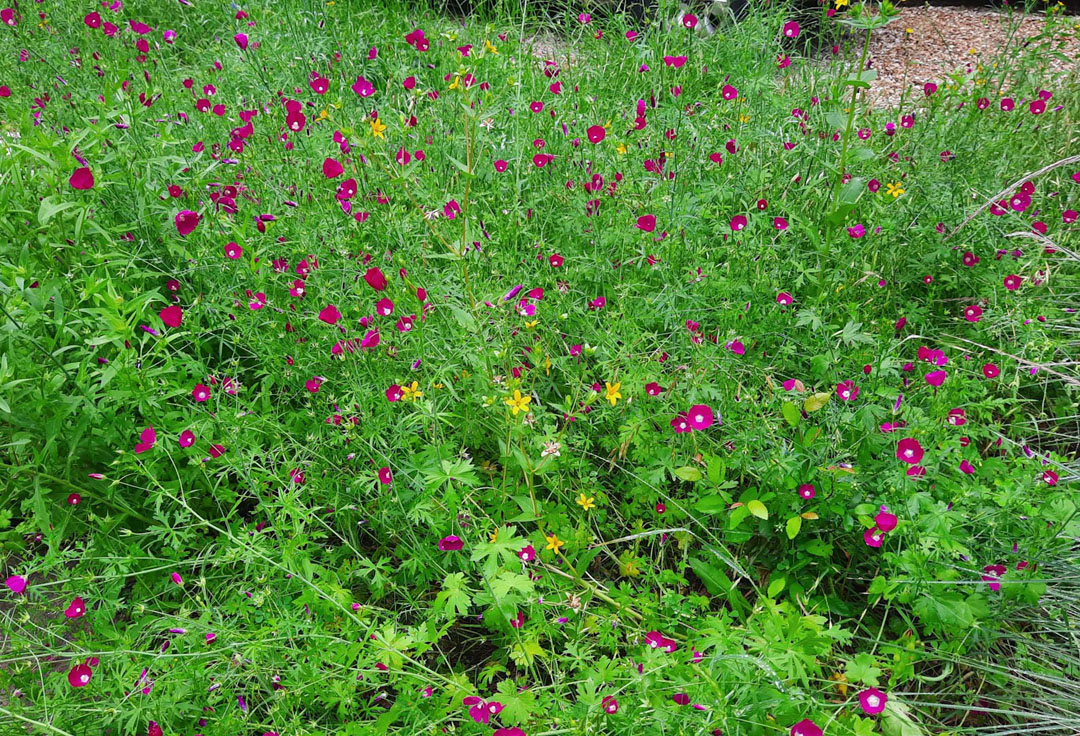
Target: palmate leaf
column 503, row 551
column 458, row 469
column 454, row 597
column 517, row 706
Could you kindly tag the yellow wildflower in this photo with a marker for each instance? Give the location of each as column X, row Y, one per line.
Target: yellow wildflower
column 518, row 402
column 895, row 189
column 586, row 502
column 612, row 392
column 554, row 543
column 622, row 149
column 411, row 392
column 490, row 47
column 377, row 128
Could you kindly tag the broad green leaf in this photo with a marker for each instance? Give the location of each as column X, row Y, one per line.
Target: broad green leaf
column 794, row 524
column 757, row 508
column 816, row 402
column 710, row 504
column 689, row 473
column 791, row 413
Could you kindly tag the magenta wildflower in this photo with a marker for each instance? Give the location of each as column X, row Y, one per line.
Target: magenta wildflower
column 700, row 416
column 806, row 727
column 847, row 391
column 186, row 221
column 481, row 710
column 872, row 701
column 909, row 450
column 80, row 675
column 451, row 543
column 992, row 575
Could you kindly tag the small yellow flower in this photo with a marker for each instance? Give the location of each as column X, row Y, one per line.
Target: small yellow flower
column 323, row 114
column 456, row 83
column 554, row 543
column 622, row 149
column 895, row 189
column 494, row 537
column 841, row 3
column 909, row 30
column 377, row 128
column 612, row 392
column 586, row 502
column 530, row 325
column 518, row 402
column 411, row 392
column 743, row 118
column 547, row 365
column 490, row 47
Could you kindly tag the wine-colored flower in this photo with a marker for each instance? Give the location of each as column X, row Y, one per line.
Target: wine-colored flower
column 451, row 543
column 992, row 575
column 147, row 438
column 80, row 675
column 847, row 391
column 82, row 178
column 172, row 315
column 909, row 450
column 700, row 416
column 806, row 727
column 885, row 521
column 76, row 608
column 330, row 314
column 872, row 701
column 481, row 710
column 375, row 279
column 186, row 222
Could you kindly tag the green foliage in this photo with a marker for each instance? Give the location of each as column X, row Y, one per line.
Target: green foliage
column 519, row 495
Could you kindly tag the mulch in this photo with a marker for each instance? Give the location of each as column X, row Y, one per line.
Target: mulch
column 932, row 43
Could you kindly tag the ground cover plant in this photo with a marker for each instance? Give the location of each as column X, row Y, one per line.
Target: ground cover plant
column 364, row 372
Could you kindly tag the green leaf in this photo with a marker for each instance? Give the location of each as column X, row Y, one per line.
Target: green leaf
column 718, row 583
column 689, row 473
column 776, row 586
column 454, row 597
column 794, row 524
column 816, row 402
column 791, row 413
column 710, row 504
column 463, row 318
column 862, row 669
column 524, row 652
column 757, row 508
column 48, row 209
column 896, row 721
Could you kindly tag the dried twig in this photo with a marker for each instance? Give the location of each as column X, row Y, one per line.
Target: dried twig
column 1012, row 188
